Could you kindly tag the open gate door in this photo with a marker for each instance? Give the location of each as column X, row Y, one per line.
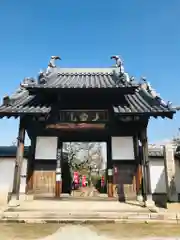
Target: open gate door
column 44, row 178
column 44, row 183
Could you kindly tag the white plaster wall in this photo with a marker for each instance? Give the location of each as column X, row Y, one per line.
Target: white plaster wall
column 177, row 175
column 7, row 175
column 46, row 148
column 122, row 148
column 157, row 174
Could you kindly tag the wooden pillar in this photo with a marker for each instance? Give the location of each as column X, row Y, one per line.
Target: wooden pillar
column 109, row 169
column 58, row 186
column 30, row 167
column 19, row 159
column 138, row 180
column 28, row 175
column 145, row 166
column 138, row 168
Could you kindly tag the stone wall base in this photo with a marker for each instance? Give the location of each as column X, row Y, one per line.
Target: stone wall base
column 22, row 196
column 161, row 199
column 4, row 196
column 139, row 198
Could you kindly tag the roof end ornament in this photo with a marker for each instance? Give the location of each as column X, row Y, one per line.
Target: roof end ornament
column 41, row 77
column 51, row 63
column 27, row 82
column 9, row 100
column 147, row 87
column 6, row 100
column 177, row 108
column 144, row 79
column 119, row 63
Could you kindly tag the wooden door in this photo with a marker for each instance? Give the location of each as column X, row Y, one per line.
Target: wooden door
column 125, row 181
column 44, row 182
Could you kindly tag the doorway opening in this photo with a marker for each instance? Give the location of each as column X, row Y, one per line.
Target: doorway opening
column 84, row 168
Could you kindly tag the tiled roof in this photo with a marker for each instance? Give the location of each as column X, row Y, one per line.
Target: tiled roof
column 32, row 103
column 10, row 151
column 23, row 102
column 82, row 78
column 135, row 104
column 157, row 151
column 140, row 102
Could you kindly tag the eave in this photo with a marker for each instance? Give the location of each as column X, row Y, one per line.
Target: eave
column 91, row 90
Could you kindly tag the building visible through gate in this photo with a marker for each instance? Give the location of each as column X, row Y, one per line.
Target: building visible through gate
column 84, row 105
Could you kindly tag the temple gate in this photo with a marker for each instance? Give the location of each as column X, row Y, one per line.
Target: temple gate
column 85, row 104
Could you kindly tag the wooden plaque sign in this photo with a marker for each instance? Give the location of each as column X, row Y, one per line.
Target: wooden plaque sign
column 80, row 119
column 76, row 126
column 89, row 116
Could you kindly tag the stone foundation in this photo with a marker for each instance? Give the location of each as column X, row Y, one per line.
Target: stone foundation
column 4, row 197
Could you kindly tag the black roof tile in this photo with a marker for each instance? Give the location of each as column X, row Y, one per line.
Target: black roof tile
column 157, row 151
column 22, row 102
column 83, row 78
column 10, row 151
column 138, row 102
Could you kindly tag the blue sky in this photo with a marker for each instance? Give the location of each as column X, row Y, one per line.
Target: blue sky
column 85, row 34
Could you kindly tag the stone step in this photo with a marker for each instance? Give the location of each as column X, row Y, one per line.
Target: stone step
column 87, row 213
column 70, row 214
column 86, row 217
column 15, row 210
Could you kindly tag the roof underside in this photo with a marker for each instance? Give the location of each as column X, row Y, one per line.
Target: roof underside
column 24, row 102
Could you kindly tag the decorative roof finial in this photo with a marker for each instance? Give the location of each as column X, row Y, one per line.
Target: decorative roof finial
column 144, row 79
column 132, row 79
column 40, row 72
column 28, row 81
column 41, row 77
column 119, row 62
column 52, row 61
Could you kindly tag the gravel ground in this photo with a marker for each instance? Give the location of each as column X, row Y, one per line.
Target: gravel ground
column 84, row 232
column 77, row 233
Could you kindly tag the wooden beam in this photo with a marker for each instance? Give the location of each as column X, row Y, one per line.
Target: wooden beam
column 19, row 159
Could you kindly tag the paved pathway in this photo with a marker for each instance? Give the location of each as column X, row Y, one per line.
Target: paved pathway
column 41, row 205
